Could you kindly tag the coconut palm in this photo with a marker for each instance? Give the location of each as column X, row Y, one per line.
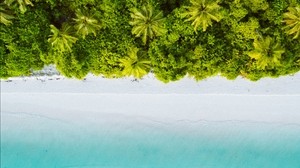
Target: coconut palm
column 266, row 52
column 22, row 4
column 86, row 24
column 147, row 23
column 292, row 20
column 135, row 63
column 202, row 12
column 5, row 15
column 62, row 40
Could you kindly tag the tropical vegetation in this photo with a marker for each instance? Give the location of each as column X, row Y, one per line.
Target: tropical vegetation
column 292, row 20
column 202, row 12
column 147, row 23
column 170, row 38
column 135, row 64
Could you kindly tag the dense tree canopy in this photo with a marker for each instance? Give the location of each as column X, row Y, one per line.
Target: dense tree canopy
column 170, row 38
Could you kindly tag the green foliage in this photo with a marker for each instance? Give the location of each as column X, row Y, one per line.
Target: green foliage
column 275, row 12
column 62, row 40
column 86, row 24
column 5, row 15
column 135, row 64
column 147, row 23
column 237, row 11
column 247, row 30
column 266, row 52
column 255, row 5
column 21, row 3
column 202, row 13
column 23, row 43
column 292, row 20
column 194, row 38
column 68, row 65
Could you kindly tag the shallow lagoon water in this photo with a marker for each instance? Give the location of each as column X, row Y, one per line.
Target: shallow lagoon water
column 30, row 141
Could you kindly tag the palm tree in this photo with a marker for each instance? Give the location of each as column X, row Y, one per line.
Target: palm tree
column 22, row 4
column 5, row 15
column 202, row 12
column 292, row 19
column 135, row 63
column 266, row 52
column 62, row 40
column 86, row 24
column 147, row 23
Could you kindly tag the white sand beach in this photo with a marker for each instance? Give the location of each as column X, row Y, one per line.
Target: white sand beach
column 214, row 99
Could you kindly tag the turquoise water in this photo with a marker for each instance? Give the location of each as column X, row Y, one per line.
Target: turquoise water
column 36, row 142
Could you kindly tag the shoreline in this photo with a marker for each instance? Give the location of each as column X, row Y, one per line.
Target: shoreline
column 285, row 85
column 86, row 108
column 215, row 99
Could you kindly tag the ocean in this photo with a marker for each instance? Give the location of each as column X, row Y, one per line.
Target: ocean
column 31, row 141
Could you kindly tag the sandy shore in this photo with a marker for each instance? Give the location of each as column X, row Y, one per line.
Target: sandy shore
column 214, row 99
column 286, row 85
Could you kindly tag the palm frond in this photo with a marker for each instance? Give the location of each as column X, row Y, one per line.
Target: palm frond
column 292, row 21
column 21, row 3
column 135, row 64
column 147, row 23
column 86, row 24
column 5, row 15
column 202, row 13
column 62, row 40
column 267, row 52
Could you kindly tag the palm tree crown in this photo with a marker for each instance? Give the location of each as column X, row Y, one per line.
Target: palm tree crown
column 292, row 19
column 202, row 12
column 86, row 24
column 266, row 52
column 5, row 15
column 147, row 23
column 22, row 4
column 135, row 64
column 62, row 40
